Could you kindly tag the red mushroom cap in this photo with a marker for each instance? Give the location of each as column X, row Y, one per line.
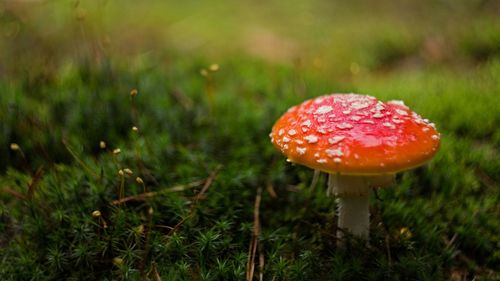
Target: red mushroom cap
column 355, row 135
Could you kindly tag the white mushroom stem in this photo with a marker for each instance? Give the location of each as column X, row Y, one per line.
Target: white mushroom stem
column 353, row 194
column 353, row 204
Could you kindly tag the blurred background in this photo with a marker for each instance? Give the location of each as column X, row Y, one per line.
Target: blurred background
column 332, row 37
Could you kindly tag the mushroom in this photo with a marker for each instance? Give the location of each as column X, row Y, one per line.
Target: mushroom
column 360, row 141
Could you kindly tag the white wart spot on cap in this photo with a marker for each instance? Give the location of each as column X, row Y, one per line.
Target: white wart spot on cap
column 322, row 160
column 425, row 129
column 321, row 130
column 344, row 126
column 335, row 139
column 359, row 105
column 356, row 118
column 292, row 132
column 337, row 160
column 311, row 138
column 301, row 150
column 380, row 106
column 323, row 109
column 286, row 139
column 401, row 112
column 334, row 152
column 306, row 123
column 368, row 122
column 319, row 100
column 281, row 132
column 389, row 125
column 397, row 102
column 435, row 137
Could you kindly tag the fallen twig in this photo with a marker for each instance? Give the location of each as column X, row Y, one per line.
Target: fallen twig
column 32, row 185
column 204, row 189
column 146, row 195
column 451, row 241
column 261, row 263
column 270, row 190
column 14, row 193
column 147, row 230
column 388, row 249
column 163, row 226
column 314, row 180
column 252, row 249
column 485, row 179
column 207, row 184
column 34, row 182
column 154, row 272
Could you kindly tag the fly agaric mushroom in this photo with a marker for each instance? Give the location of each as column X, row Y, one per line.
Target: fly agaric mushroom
column 360, row 141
